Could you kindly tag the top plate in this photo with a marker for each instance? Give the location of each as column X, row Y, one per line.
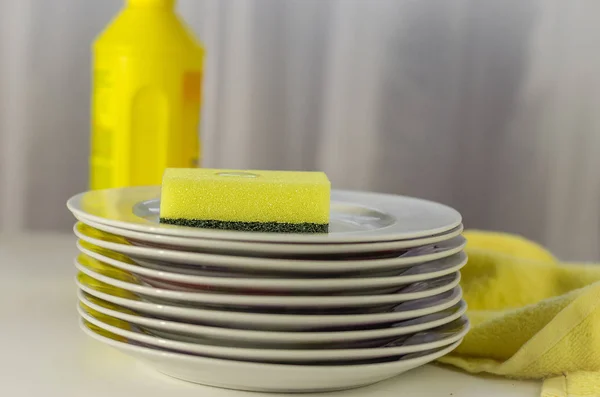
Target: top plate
column 355, row 217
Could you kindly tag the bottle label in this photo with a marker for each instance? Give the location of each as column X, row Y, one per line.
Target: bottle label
column 192, row 93
column 192, row 83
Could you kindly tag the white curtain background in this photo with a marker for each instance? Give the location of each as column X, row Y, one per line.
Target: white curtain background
column 489, row 106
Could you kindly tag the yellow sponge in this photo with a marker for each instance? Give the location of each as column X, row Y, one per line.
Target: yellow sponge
column 248, row 200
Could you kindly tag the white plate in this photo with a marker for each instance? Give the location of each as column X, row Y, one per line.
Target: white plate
column 355, row 217
column 247, row 248
column 263, row 377
column 262, row 321
column 120, row 245
column 193, row 333
column 427, row 340
column 109, row 276
column 423, row 280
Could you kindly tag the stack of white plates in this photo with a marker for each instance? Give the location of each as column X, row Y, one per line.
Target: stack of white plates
column 376, row 296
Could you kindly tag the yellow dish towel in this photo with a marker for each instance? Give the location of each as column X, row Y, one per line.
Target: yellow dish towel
column 532, row 316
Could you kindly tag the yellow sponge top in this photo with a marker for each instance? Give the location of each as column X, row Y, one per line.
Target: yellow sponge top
column 202, row 194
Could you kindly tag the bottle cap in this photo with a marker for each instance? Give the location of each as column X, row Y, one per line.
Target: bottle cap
column 151, row 3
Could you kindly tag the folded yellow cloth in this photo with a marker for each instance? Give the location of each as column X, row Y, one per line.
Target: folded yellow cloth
column 532, row 316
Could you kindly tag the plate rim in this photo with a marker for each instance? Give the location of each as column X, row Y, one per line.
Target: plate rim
column 73, row 204
column 343, row 353
column 271, row 336
column 277, row 284
column 300, row 368
column 282, row 320
column 267, row 300
column 272, row 248
column 267, row 264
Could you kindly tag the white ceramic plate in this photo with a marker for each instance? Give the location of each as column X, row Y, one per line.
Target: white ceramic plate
column 120, row 245
column 262, row 321
column 426, row 340
column 246, row 248
column 194, row 333
column 355, row 217
column 263, row 377
column 115, row 277
column 423, row 280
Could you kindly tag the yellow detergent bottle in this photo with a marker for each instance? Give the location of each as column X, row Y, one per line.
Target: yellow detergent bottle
column 147, row 75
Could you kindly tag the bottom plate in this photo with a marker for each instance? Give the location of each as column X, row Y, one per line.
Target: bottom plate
column 281, row 378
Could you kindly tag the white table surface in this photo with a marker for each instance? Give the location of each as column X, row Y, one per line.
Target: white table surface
column 43, row 352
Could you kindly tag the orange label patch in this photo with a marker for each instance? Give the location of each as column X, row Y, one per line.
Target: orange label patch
column 192, row 83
